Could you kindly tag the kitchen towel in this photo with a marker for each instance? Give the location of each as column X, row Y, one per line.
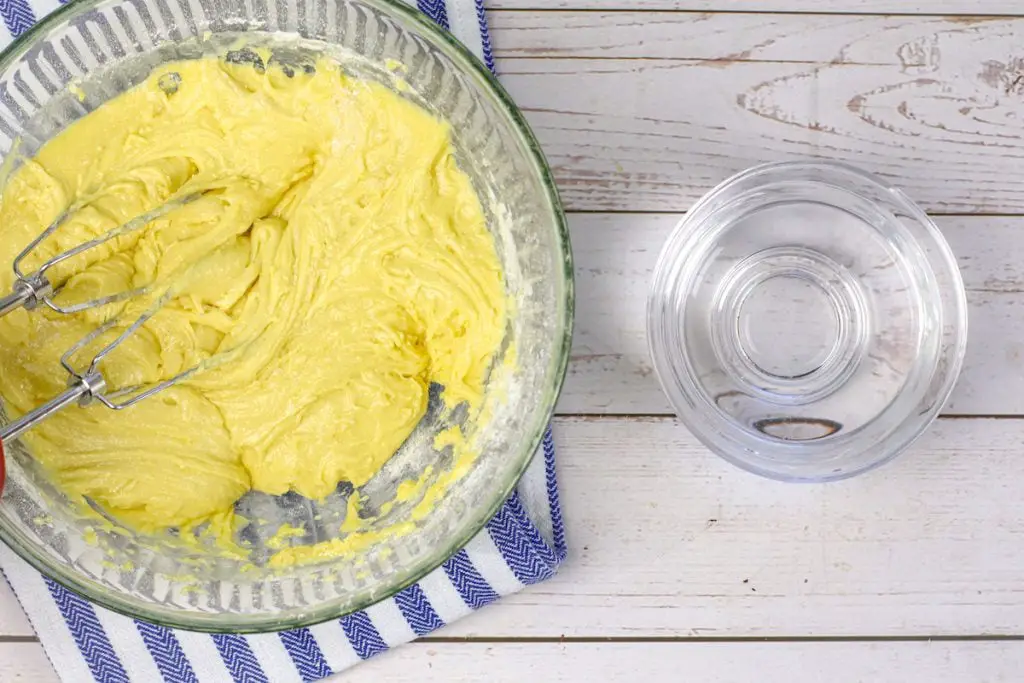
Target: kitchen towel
column 523, row 544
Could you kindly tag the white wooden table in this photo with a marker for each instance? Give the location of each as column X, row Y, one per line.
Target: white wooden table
column 682, row 567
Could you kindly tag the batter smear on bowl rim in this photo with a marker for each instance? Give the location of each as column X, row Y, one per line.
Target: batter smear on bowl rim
column 335, row 240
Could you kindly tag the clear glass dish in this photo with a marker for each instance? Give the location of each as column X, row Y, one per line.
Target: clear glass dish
column 807, row 320
column 100, row 48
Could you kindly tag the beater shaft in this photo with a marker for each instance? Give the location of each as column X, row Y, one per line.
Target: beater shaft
column 24, row 294
column 81, row 391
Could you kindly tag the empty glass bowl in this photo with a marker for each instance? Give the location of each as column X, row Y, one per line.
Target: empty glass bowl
column 88, row 52
column 807, row 320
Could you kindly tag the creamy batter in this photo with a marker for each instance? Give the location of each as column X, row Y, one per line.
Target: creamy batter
column 336, row 248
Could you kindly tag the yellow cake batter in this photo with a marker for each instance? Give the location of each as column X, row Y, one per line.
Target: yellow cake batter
column 336, row 248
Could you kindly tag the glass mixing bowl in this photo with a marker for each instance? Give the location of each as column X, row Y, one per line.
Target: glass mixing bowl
column 807, row 320
column 90, row 51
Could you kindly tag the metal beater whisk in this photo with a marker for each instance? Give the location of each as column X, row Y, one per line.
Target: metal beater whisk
column 34, row 288
column 88, row 385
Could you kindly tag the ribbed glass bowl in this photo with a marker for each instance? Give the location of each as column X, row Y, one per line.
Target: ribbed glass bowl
column 100, row 48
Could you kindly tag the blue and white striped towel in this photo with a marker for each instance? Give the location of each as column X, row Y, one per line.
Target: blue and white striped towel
column 523, row 544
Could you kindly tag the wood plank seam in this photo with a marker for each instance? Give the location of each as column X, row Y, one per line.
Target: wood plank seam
column 547, row 9
column 937, row 638
column 646, row 111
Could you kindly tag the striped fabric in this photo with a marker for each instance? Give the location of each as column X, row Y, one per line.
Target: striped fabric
column 523, row 544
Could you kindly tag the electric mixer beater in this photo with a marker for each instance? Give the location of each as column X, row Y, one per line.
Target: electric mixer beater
column 85, row 385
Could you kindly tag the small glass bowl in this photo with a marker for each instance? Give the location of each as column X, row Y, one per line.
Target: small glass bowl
column 807, row 320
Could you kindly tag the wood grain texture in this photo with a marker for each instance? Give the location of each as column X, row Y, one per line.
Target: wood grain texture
column 610, row 370
column 668, row 540
column 937, row 662
column 724, row 37
column 959, row 7
column 25, row 663
column 641, row 113
column 705, row 662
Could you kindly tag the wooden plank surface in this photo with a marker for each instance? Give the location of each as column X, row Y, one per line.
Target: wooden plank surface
column 725, row 37
column 644, row 112
column 611, row 372
column 647, row 114
column 925, row 7
column 667, row 540
column 728, row 662
column 25, row 663
column 941, row 662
